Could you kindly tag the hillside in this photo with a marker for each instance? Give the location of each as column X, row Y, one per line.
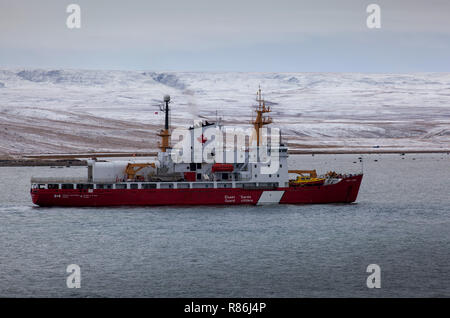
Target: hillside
column 84, row 110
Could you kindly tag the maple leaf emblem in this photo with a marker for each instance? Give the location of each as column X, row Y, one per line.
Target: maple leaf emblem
column 202, row 139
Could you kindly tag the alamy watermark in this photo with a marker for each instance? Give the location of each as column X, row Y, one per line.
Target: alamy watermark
column 373, row 21
column 374, row 279
column 227, row 145
column 73, row 21
column 74, row 279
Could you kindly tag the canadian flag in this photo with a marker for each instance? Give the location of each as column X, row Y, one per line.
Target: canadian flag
column 202, row 139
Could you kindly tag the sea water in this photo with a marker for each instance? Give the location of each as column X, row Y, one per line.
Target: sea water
column 400, row 221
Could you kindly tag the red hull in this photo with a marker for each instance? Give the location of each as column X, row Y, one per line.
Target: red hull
column 344, row 191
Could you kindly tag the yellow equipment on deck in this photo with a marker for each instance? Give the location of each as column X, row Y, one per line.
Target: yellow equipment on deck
column 133, row 168
column 306, row 177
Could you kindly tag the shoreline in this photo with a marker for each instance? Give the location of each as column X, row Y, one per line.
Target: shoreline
column 365, row 152
column 40, row 163
column 49, row 160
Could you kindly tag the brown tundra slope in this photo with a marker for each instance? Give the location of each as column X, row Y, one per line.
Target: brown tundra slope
column 73, row 111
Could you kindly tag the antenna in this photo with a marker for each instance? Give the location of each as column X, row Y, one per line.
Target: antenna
column 164, row 133
column 165, row 108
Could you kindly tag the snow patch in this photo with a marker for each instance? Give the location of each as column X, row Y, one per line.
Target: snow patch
column 318, row 108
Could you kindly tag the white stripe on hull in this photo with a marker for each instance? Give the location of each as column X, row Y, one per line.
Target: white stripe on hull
column 270, row 197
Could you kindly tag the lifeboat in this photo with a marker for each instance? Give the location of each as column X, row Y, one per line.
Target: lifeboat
column 307, row 181
column 306, row 178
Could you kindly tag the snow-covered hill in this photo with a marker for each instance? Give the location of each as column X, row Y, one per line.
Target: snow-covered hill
column 85, row 110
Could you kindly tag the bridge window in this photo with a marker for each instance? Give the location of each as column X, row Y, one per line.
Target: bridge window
column 149, row 186
column 53, row 186
column 201, row 185
column 85, row 186
column 67, row 186
column 104, row 186
column 121, row 186
column 134, row 186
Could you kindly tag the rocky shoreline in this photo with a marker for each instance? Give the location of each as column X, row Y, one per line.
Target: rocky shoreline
column 40, row 163
column 59, row 160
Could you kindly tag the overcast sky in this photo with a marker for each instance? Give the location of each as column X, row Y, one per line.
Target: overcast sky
column 228, row 35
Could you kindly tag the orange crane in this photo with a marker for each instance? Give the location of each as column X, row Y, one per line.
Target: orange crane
column 133, row 168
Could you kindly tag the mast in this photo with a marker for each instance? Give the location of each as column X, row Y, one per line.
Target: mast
column 260, row 119
column 165, row 133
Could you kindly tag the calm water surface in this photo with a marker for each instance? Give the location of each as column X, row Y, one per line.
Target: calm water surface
column 401, row 221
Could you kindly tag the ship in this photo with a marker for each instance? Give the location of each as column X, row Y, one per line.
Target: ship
column 256, row 174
